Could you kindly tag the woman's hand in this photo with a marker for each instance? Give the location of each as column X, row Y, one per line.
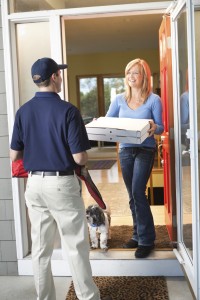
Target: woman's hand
column 152, row 129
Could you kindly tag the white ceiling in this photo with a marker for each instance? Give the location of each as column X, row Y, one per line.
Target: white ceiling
column 112, row 34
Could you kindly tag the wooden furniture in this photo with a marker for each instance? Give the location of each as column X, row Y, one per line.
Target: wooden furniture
column 156, row 177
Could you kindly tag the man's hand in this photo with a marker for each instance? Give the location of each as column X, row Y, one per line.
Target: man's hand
column 80, row 158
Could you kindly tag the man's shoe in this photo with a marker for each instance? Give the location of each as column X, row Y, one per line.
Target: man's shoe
column 131, row 244
column 143, row 251
column 107, row 298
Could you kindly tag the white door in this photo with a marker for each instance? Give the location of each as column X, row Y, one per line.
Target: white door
column 186, row 140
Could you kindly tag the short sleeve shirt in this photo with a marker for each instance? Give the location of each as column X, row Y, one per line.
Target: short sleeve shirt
column 49, row 130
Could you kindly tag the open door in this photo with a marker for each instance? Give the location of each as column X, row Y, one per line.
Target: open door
column 186, row 141
column 167, row 137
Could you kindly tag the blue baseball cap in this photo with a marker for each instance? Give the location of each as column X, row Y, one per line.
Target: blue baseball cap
column 44, row 68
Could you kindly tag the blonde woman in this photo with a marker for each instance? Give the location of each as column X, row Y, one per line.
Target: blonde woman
column 138, row 102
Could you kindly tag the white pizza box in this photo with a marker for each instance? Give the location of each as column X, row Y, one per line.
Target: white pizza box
column 123, row 130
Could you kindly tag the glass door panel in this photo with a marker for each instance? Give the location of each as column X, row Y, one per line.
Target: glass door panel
column 197, row 44
column 186, row 131
column 185, row 163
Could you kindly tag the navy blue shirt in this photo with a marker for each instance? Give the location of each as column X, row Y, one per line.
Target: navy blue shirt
column 49, row 130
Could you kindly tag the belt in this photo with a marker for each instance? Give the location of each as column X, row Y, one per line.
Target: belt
column 47, row 173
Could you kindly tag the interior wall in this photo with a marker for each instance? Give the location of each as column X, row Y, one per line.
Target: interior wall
column 107, row 63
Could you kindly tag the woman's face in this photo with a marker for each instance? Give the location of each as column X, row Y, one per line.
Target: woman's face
column 134, row 77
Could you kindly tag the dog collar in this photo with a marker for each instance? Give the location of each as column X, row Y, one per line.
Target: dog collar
column 94, row 225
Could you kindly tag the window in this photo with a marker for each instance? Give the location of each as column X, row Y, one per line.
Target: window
column 88, row 98
column 95, row 94
column 112, row 86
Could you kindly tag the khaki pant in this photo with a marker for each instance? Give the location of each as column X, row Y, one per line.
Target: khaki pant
column 55, row 202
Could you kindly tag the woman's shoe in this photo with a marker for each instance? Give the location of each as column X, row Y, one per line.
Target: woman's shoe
column 143, row 251
column 131, row 244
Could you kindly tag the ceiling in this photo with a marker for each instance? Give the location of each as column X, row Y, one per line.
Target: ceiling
column 112, row 34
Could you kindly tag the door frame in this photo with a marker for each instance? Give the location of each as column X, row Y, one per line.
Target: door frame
column 12, row 97
column 190, row 267
column 53, row 17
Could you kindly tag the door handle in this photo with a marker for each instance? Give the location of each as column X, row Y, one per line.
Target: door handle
column 160, row 151
column 186, row 152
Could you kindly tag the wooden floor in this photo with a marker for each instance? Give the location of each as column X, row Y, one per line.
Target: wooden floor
column 113, row 191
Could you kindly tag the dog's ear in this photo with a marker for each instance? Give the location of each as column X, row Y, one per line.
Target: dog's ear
column 103, row 217
column 88, row 208
column 100, row 215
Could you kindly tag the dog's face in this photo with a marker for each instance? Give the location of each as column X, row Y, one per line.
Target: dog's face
column 95, row 215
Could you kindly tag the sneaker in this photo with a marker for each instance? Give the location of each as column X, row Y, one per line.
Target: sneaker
column 143, row 251
column 107, row 298
column 131, row 244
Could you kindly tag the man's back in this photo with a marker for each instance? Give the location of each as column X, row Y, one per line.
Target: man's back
column 51, row 130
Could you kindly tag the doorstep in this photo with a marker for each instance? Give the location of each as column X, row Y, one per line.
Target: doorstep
column 118, row 262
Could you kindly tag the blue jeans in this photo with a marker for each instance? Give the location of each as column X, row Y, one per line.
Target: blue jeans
column 136, row 165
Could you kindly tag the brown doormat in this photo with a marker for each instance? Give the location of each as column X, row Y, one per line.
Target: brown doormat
column 129, row 288
column 122, row 234
column 100, row 164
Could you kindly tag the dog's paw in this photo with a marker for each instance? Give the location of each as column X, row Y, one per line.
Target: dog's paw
column 104, row 249
column 93, row 247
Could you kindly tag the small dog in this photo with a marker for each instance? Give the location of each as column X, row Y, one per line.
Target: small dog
column 99, row 226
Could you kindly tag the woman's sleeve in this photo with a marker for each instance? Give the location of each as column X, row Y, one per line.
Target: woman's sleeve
column 184, row 109
column 113, row 110
column 157, row 115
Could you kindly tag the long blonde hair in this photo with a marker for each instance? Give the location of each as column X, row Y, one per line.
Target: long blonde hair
column 146, row 73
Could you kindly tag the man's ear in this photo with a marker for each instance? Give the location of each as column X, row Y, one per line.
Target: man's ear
column 53, row 76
